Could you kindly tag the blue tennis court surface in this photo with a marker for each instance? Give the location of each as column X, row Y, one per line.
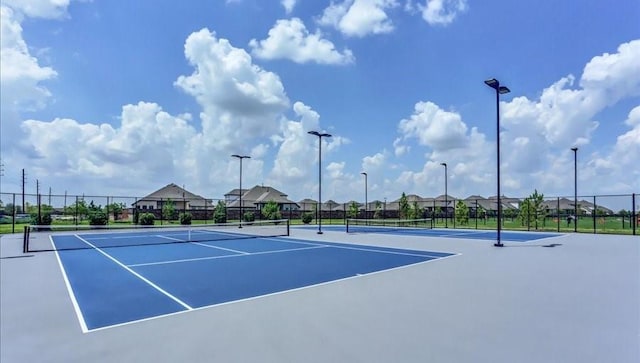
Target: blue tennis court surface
column 480, row 234
column 112, row 286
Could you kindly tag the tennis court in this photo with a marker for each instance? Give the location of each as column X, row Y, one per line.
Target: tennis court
column 122, row 277
column 334, row 297
column 422, row 227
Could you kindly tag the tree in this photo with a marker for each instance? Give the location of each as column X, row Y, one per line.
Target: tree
column 403, row 206
column 462, row 213
column 378, row 213
column 169, row 210
column 79, row 209
column 220, row 212
column 116, row 209
column 10, row 208
column 532, row 211
column 353, row 210
column 414, row 211
column 271, row 210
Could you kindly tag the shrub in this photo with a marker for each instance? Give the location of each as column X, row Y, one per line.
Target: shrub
column 147, row 219
column 249, row 217
column 98, row 218
column 307, row 218
column 136, row 217
column 185, row 218
column 271, row 211
column 45, row 219
column 220, row 213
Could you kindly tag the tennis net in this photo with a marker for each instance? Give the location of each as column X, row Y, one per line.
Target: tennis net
column 73, row 237
column 386, row 225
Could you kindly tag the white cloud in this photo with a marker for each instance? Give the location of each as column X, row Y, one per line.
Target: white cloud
column 564, row 116
column 50, row 9
column 240, row 100
column 288, row 5
column 442, row 12
column 434, row 127
column 21, row 83
column 149, row 142
column 359, row 17
column 290, row 39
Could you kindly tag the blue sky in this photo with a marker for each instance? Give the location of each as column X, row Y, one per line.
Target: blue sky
column 122, row 98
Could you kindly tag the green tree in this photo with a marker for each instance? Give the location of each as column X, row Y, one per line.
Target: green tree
column 10, row 208
column 353, row 210
column 462, row 213
column 414, row 211
column 403, row 206
column 532, row 211
column 378, row 213
column 115, row 209
column 220, row 212
column 79, row 209
column 169, row 211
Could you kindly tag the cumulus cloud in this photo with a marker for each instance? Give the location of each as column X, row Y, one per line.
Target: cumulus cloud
column 434, row 127
column 564, row 115
column 359, row 18
column 22, row 80
column 240, row 100
column 442, row 12
column 290, row 39
column 148, row 143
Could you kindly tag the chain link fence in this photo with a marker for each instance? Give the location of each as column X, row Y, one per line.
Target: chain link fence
column 616, row 214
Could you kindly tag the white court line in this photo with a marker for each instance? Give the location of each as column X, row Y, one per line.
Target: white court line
column 204, row 245
column 226, row 256
column 182, row 303
column 74, row 301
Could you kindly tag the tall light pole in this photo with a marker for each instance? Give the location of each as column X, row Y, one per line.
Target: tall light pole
column 319, row 209
column 575, row 189
column 240, row 157
column 366, row 201
column 446, row 201
column 495, row 84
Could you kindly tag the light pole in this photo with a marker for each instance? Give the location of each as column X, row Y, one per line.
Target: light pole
column 495, row 84
column 446, row 201
column 575, row 189
column 240, row 157
column 366, row 205
column 319, row 209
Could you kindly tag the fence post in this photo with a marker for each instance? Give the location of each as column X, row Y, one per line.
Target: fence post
column 595, row 214
column 634, row 214
column 558, row 212
column 13, row 215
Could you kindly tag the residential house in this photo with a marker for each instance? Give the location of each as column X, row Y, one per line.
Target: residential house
column 181, row 198
column 256, row 197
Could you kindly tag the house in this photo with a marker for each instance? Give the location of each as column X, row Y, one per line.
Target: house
column 172, row 193
column 256, row 197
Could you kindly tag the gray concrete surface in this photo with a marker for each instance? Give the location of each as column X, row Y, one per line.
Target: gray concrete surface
column 577, row 302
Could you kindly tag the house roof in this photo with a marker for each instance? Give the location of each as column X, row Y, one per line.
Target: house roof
column 173, row 192
column 235, row 192
column 260, row 195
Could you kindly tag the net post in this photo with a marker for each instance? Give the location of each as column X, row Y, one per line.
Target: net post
column 288, row 225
